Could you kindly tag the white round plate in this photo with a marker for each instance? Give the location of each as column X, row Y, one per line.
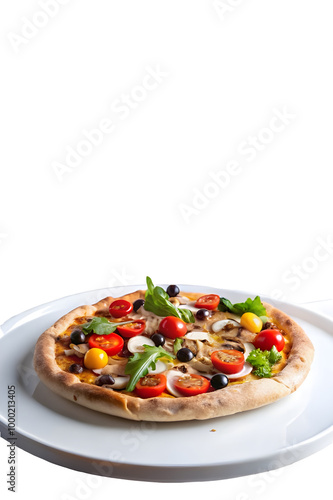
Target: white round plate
column 255, row 441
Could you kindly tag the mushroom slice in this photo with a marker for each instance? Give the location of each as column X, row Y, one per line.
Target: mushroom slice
column 189, row 306
column 120, row 382
column 248, row 348
column 224, row 324
column 69, row 352
column 160, row 367
column 246, row 370
column 197, row 335
column 172, row 376
column 80, row 348
column 135, row 344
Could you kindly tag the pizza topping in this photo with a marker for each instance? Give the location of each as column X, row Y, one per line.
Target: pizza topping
column 202, row 314
column 80, row 349
column 263, row 361
column 77, row 336
column 137, row 304
column 151, row 385
column 172, row 327
column 228, row 360
column 197, row 336
column 255, row 306
column 139, row 364
column 112, row 344
column 209, row 302
column 158, row 339
column 225, row 324
column 132, row 329
column 105, row 380
column 266, row 339
column 102, row 326
column 75, row 368
column 219, row 381
column 172, row 290
column 177, row 344
column 191, row 384
column 157, row 301
column 251, row 322
column 184, row 355
column 120, row 308
column 95, row 358
column 136, row 344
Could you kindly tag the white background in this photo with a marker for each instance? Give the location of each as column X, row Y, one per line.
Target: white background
column 142, row 201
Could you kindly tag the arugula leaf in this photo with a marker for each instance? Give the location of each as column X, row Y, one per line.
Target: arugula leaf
column 177, row 344
column 139, row 364
column 255, row 306
column 101, row 326
column 157, row 301
column 263, row 361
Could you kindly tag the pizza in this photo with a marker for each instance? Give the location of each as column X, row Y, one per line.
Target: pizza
column 169, row 355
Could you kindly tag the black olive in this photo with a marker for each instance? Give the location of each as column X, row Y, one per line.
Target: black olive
column 76, row 368
column 202, row 314
column 158, row 339
column 78, row 337
column 184, row 355
column 219, row 381
column 172, row 290
column 137, row 304
column 105, row 380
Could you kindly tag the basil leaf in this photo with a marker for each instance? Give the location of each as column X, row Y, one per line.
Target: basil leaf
column 157, row 301
column 139, row 364
column 255, row 306
column 101, row 326
column 274, row 355
column 177, row 344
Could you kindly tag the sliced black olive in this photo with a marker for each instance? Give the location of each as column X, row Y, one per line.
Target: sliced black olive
column 78, row 337
column 202, row 314
column 105, row 380
column 137, row 304
column 219, row 381
column 172, row 290
column 158, row 339
column 184, row 355
column 76, row 368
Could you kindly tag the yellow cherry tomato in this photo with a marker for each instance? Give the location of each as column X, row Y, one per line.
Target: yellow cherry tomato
column 95, row 358
column 251, row 322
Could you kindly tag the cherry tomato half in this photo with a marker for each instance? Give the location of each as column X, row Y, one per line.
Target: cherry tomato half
column 192, row 384
column 172, row 327
column 132, row 329
column 120, row 308
column 228, row 360
column 267, row 338
column 208, row 302
column 111, row 344
column 151, row 385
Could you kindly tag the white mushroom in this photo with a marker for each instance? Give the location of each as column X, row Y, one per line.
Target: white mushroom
column 172, row 376
column 160, row 367
column 135, row 344
column 223, row 323
column 197, row 335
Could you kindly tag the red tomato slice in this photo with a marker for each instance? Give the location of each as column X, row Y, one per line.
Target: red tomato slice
column 120, row 308
column 208, row 302
column 132, row 329
column 228, row 360
column 172, row 327
column 192, row 384
column 267, row 338
column 112, row 344
column 151, row 385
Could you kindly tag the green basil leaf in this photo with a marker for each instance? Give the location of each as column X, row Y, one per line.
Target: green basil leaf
column 255, row 306
column 139, row 364
column 177, row 344
column 101, row 326
column 157, row 301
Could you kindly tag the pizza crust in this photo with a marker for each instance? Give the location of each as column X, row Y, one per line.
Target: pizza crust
column 227, row 401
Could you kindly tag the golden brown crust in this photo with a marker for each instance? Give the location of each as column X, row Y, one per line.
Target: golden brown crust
column 232, row 399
